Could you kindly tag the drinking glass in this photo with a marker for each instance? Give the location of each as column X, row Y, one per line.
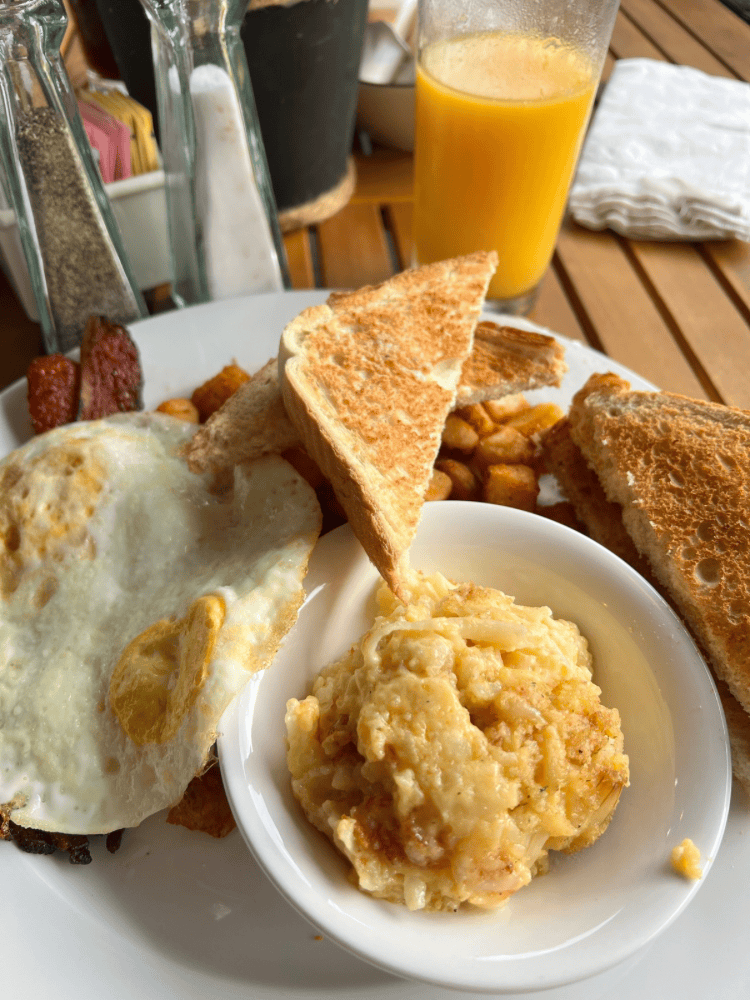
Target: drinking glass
column 503, row 96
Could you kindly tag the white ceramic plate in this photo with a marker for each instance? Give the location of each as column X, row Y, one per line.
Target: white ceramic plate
column 177, row 914
column 594, row 909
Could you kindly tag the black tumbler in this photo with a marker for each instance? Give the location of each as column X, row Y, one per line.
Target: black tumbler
column 304, row 66
column 129, row 34
column 303, row 59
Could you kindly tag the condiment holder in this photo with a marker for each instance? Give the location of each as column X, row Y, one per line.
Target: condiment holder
column 387, row 74
column 224, row 234
column 73, row 250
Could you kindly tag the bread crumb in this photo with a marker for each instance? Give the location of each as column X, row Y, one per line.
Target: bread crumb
column 686, row 859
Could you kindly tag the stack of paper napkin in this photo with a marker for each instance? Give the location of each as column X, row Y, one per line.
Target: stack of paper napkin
column 667, row 155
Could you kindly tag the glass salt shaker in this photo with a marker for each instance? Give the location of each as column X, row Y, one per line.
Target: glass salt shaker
column 224, row 232
column 72, row 245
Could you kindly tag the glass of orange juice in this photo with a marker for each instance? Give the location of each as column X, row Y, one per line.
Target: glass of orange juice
column 504, row 92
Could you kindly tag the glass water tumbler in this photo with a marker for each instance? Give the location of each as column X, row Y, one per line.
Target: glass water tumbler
column 70, row 239
column 223, row 225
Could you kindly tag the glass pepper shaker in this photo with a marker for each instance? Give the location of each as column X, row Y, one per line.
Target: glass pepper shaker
column 224, row 232
column 72, row 245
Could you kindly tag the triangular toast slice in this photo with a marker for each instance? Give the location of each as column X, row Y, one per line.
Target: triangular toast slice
column 253, row 421
column 580, row 484
column 680, row 469
column 505, row 360
column 368, row 381
column 603, row 518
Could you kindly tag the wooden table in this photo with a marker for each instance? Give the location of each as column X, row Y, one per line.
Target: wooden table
column 676, row 313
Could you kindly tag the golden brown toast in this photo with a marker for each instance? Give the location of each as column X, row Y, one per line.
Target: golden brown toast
column 675, row 470
column 251, row 423
column 679, row 468
column 368, row 381
column 580, row 484
column 505, row 360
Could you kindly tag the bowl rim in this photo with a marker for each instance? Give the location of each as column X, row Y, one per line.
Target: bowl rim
column 386, row 86
column 509, row 974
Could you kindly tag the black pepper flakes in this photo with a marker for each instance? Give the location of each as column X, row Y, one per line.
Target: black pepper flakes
column 83, row 272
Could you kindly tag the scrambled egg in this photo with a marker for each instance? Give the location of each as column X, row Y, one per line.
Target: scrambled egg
column 454, row 746
column 686, row 859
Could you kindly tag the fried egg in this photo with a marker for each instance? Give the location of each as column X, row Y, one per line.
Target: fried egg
column 135, row 602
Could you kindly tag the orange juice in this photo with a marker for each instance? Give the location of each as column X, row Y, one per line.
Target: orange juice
column 499, row 124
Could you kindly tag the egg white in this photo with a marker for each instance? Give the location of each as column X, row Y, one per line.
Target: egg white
column 141, row 545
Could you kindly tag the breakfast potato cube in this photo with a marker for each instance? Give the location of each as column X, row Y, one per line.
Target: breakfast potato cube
column 182, row 409
column 440, row 486
column 459, row 435
column 478, row 417
column 500, row 409
column 507, row 446
column 536, row 419
column 217, row 390
column 465, row 485
column 511, row 486
column 204, row 806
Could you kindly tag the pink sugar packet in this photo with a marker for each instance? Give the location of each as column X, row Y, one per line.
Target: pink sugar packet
column 100, row 143
column 111, row 137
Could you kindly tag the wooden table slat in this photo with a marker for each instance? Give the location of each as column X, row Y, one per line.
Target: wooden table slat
column 71, row 31
column 385, row 176
column 629, row 42
column 609, row 65
column 679, row 45
column 553, row 309
column 299, row 258
column 72, row 52
column 718, row 28
column 732, row 259
column 713, row 329
column 618, row 307
column 353, row 248
column 401, row 216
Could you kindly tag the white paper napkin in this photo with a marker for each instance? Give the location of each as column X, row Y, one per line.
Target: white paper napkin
column 667, row 155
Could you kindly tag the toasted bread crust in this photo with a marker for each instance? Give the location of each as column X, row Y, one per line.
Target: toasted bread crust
column 368, row 380
column 738, row 725
column 505, row 360
column 678, row 467
column 580, row 484
column 252, row 422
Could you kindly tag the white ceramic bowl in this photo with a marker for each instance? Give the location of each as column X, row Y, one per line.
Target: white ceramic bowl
column 386, row 112
column 594, row 909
